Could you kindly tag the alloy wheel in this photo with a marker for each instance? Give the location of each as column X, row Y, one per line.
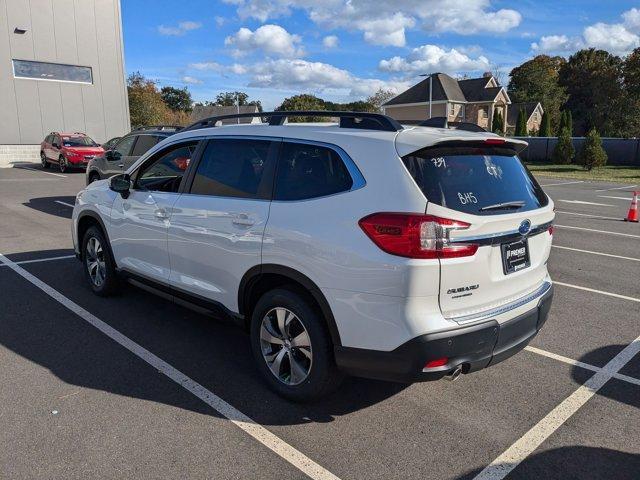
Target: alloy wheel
column 95, row 262
column 62, row 163
column 286, row 347
column 43, row 160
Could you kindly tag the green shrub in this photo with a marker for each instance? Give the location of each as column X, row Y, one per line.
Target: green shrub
column 498, row 123
column 545, row 126
column 563, row 152
column 521, row 124
column 592, row 154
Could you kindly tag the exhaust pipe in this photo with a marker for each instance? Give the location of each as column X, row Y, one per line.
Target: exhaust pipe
column 454, row 374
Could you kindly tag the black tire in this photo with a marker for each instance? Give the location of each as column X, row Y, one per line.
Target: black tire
column 109, row 284
column 62, row 164
column 43, row 160
column 323, row 376
column 93, row 176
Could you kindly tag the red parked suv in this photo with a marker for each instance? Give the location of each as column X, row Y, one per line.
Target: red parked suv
column 68, row 150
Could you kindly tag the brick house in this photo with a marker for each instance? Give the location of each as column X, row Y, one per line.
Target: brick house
column 533, row 113
column 473, row 100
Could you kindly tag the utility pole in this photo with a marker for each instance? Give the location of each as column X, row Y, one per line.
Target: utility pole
column 430, row 75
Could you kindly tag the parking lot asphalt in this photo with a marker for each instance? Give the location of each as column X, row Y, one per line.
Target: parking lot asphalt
column 89, row 386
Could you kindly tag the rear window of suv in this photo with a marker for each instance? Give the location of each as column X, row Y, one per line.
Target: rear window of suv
column 478, row 181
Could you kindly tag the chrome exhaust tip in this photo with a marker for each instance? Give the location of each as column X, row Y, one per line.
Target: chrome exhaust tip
column 454, row 374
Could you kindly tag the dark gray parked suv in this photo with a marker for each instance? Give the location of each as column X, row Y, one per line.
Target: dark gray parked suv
column 127, row 150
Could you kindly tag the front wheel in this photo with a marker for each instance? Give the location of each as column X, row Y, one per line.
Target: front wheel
column 292, row 346
column 62, row 164
column 99, row 267
column 43, row 160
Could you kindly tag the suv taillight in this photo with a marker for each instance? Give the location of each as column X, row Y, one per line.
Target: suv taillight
column 416, row 236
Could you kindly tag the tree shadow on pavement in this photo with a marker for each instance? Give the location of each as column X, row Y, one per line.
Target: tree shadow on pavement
column 574, row 463
column 213, row 352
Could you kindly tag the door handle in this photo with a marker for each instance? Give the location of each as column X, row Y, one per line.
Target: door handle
column 121, row 165
column 161, row 214
column 243, row 220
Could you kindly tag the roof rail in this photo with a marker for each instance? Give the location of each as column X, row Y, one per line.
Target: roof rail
column 360, row 120
column 442, row 122
column 157, row 127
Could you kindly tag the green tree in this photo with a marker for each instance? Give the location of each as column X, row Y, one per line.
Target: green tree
column 537, row 80
column 230, row 99
column 564, row 151
column 593, row 80
column 379, row 98
column 177, row 99
column 592, row 154
column 498, row 123
column 569, row 121
column 302, row 102
column 631, row 104
column 521, row 124
column 146, row 106
column 545, row 125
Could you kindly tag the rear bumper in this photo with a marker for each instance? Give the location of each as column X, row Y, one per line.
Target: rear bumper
column 474, row 347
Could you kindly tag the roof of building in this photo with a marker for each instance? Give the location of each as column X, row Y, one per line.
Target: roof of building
column 204, row 111
column 447, row 88
column 514, row 109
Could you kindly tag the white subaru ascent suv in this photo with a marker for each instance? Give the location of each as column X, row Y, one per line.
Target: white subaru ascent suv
column 362, row 247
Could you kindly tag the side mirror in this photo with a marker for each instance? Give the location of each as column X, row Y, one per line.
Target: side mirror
column 112, row 155
column 121, row 184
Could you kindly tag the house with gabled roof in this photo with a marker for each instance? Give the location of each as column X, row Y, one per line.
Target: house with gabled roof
column 473, row 100
column 533, row 112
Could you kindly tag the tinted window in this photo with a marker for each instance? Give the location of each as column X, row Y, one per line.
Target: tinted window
column 233, row 168
column 144, row 143
column 471, row 179
column 78, row 141
column 49, row 139
column 308, row 171
column 52, row 71
column 166, row 169
column 124, row 146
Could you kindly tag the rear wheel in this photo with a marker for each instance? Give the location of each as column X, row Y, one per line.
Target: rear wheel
column 292, row 346
column 99, row 267
column 43, row 160
column 62, row 164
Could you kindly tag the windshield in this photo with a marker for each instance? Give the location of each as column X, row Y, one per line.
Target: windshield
column 78, row 142
column 486, row 181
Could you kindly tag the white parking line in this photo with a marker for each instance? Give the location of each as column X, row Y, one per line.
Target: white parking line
column 597, row 231
column 582, row 202
column 42, row 171
column 617, row 188
column 255, row 430
column 577, row 363
column 530, row 441
column 562, row 183
column 38, row 260
column 601, row 292
column 64, row 203
column 597, row 253
column 589, row 215
column 626, row 199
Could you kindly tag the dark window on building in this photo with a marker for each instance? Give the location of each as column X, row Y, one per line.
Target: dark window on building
column 144, row 143
column 233, row 168
column 52, row 71
column 309, row 171
column 165, row 170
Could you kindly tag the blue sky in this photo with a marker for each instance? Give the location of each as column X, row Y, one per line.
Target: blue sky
column 346, row 49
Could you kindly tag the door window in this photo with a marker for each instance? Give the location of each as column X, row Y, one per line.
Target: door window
column 124, row 146
column 310, row 171
column 144, row 143
column 164, row 171
column 234, row 168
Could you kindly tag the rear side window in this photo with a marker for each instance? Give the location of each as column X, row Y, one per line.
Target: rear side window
column 234, row 168
column 478, row 181
column 144, row 143
column 310, row 171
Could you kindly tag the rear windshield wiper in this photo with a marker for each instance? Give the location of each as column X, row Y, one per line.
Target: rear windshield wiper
column 504, row 206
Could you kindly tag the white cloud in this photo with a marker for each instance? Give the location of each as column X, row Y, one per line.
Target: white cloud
column 269, row 39
column 220, row 21
column 302, row 75
column 179, row 30
column 616, row 38
column 330, row 41
column 236, row 68
column 191, row 80
column 384, row 23
column 431, row 58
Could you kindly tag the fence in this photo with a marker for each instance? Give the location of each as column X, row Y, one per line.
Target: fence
column 621, row 151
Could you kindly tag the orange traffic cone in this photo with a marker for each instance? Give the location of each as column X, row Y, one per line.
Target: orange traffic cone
column 632, row 216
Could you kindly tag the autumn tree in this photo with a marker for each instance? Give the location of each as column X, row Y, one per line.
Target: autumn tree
column 177, row 99
column 146, row 106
